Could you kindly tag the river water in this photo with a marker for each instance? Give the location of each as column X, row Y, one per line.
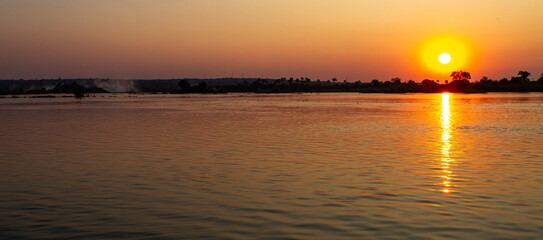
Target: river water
column 272, row 166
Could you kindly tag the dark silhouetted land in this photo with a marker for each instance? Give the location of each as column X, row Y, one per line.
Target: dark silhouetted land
column 460, row 83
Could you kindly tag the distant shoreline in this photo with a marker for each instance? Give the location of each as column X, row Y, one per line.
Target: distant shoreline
column 84, row 86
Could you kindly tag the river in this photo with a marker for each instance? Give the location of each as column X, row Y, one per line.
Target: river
column 272, row 166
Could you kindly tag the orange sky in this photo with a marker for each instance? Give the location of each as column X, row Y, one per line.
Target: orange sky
column 358, row 40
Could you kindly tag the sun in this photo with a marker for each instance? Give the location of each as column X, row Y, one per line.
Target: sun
column 443, row 54
column 444, row 58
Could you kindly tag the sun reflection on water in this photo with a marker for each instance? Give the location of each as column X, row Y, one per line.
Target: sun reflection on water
column 445, row 141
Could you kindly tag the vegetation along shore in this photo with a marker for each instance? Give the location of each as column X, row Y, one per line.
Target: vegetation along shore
column 460, row 82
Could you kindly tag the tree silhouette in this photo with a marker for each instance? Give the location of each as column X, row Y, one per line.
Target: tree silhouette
column 524, row 74
column 460, row 82
column 203, row 86
column 466, row 75
column 460, row 75
column 429, row 86
column 184, row 85
column 521, row 78
column 485, row 79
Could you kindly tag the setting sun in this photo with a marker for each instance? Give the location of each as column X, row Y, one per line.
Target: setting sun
column 444, row 54
column 445, row 58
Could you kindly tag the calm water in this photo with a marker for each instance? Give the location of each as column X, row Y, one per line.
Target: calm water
column 285, row 166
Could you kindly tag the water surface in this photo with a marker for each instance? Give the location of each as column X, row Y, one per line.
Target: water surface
column 273, row 166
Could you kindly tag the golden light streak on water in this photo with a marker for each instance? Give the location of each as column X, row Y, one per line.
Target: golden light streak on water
column 445, row 141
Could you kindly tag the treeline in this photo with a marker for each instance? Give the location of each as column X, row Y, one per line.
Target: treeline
column 78, row 90
column 460, row 83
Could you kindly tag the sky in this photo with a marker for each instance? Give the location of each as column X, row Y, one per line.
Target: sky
column 343, row 39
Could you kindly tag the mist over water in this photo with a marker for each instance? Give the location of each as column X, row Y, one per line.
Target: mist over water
column 116, row 86
column 272, row 166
